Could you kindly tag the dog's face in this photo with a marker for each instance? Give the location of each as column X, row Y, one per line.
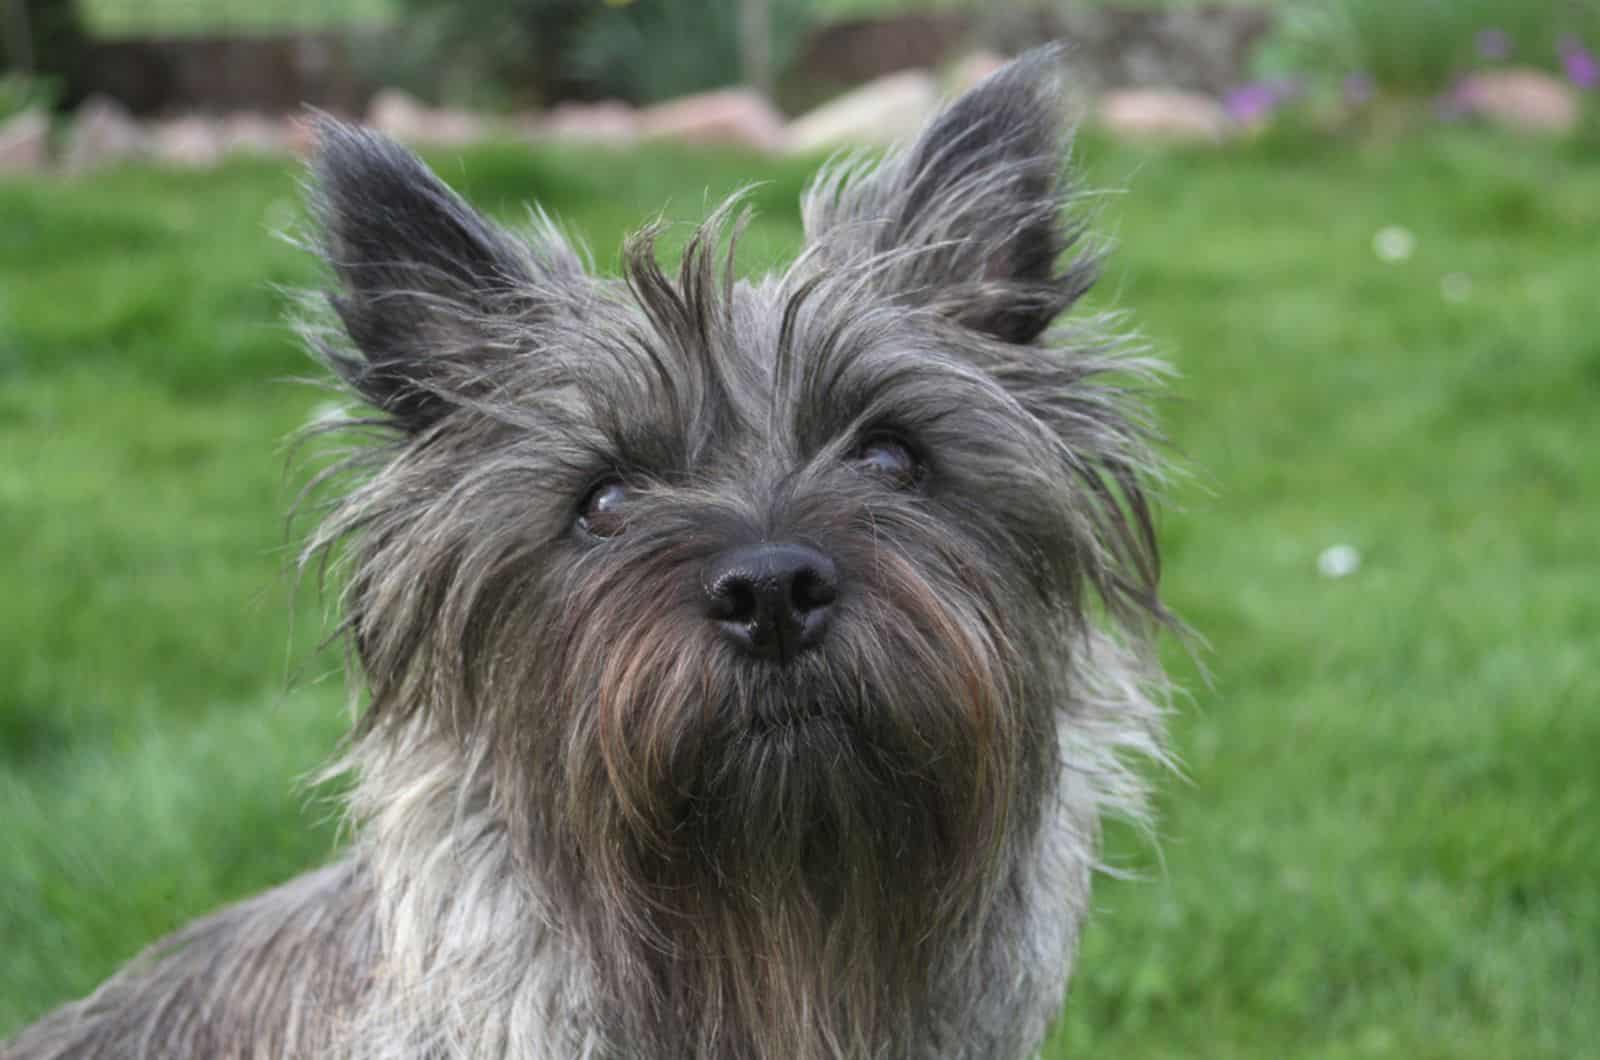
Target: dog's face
column 774, row 586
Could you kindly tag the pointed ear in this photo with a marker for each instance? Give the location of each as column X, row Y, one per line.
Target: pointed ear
column 422, row 279
column 968, row 220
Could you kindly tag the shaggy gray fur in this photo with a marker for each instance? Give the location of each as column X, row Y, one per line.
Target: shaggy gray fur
column 588, row 825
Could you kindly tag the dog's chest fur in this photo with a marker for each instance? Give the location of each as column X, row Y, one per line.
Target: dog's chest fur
column 476, row 965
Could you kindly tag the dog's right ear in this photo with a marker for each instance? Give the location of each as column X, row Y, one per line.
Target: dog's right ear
column 422, row 278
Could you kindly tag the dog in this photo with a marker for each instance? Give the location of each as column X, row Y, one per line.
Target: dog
column 746, row 666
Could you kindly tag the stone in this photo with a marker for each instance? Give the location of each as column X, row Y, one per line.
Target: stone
column 880, row 113
column 1197, row 47
column 971, row 69
column 250, row 133
column 25, row 142
column 102, row 132
column 192, row 142
column 403, row 117
column 450, row 127
column 1520, row 99
column 300, row 136
column 1163, row 115
column 609, row 122
column 396, row 114
column 735, row 117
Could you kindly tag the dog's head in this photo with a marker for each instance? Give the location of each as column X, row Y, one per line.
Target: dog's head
column 732, row 592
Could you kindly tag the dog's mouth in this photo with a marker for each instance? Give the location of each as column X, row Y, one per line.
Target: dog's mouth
column 806, row 695
column 803, row 719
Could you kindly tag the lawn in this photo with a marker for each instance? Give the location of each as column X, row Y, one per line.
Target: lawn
column 125, row 17
column 1384, row 840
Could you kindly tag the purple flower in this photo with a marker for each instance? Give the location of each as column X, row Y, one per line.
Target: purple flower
column 1580, row 64
column 1358, row 89
column 1494, row 44
column 1251, row 103
column 1256, row 101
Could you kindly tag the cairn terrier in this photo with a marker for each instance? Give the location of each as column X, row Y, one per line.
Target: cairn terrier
column 747, row 666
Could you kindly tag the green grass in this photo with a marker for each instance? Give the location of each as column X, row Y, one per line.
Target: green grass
column 127, row 18
column 124, row 17
column 867, row 8
column 1384, row 844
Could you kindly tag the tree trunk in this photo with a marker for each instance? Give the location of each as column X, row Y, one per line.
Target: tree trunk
column 755, row 44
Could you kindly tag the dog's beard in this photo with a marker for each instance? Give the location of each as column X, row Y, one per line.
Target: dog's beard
column 779, row 851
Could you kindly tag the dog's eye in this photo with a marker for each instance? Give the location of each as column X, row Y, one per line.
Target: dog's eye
column 890, row 458
column 600, row 513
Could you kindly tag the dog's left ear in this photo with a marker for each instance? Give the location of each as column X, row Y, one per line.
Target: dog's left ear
column 969, row 219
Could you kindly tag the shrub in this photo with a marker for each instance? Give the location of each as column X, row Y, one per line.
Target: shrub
column 19, row 92
column 487, row 51
column 1421, row 46
column 638, row 50
column 655, row 49
column 42, row 53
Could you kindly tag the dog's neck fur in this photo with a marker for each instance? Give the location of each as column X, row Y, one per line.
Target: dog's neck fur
column 477, row 960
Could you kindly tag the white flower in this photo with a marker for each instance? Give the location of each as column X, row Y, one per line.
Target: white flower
column 1338, row 561
column 1394, row 244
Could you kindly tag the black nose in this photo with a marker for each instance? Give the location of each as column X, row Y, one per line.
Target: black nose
column 773, row 601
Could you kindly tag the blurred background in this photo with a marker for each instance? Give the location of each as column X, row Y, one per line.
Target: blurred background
column 1362, row 231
